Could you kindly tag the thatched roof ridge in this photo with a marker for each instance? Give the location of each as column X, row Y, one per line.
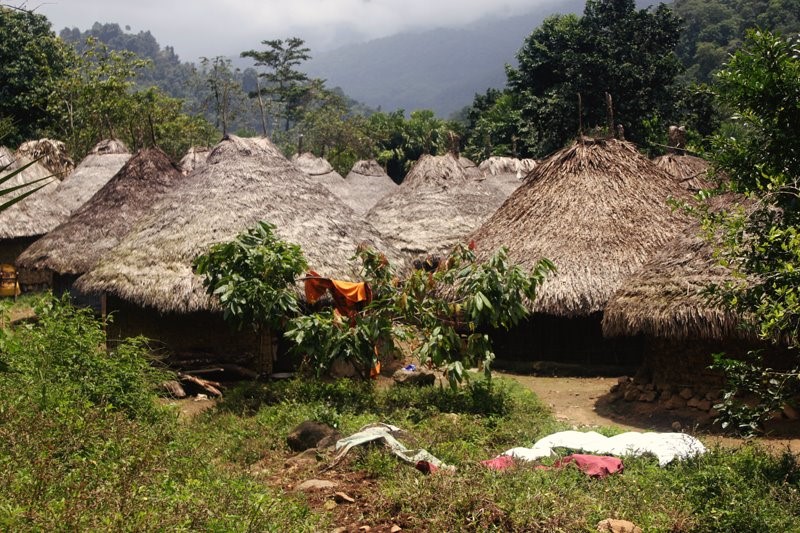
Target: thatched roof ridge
column 434, row 208
column 665, row 297
column 320, row 170
column 195, row 157
column 102, row 163
column 51, row 154
column 38, row 213
column 598, row 210
column 690, row 171
column 245, row 181
column 366, row 184
column 98, row 225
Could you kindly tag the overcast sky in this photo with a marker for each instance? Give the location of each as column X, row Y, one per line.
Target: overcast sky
column 221, row 27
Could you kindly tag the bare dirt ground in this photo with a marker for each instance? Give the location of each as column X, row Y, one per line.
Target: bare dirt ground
column 583, row 402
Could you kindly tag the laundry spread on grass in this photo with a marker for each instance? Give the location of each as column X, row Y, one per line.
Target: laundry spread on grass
column 596, row 466
column 665, row 446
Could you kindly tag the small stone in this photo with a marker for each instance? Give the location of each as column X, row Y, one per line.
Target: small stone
column 686, row 393
column 790, row 412
column 614, row 388
column 713, row 412
column 623, row 379
column 306, row 458
column 342, row 497
column 418, row 378
column 395, row 529
column 201, row 398
column 649, row 387
column 315, row 484
column 711, row 396
column 329, row 505
column 676, row 402
column 704, row 405
column 693, row 402
column 309, row 434
column 649, row 396
column 174, row 389
column 365, row 528
column 631, row 395
column 676, row 426
column 612, row 525
column 665, row 396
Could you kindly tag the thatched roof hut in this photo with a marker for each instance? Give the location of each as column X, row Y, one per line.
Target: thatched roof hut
column 320, row 171
column 666, row 296
column 245, row 181
column 435, row 207
column 38, row 213
column 506, row 173
column 597, row 209
column 366, row 184
column 195, row 157
column 690, row 171
column 99, row 166
column 98, row 225
column 52, row 155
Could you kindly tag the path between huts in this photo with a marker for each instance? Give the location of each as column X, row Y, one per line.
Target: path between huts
column 582, row 402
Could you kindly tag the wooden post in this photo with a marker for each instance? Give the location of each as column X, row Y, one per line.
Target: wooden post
column 580, row 117
column 300, row 144
column 610, row 115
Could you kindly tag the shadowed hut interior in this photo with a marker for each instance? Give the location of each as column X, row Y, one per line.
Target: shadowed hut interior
column 598, row 210
column 149, row 273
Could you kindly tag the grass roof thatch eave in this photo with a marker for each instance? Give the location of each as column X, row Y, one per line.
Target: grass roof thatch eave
column 434, row 208
column 98, row 225
column 598, row 209
column 667, row 296
column 51, row 154
column 38, row 213
column 99, row 166
column 244, row 182
column 366, row 184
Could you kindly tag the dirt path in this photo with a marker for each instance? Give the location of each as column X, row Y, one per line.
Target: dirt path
column 582, row 402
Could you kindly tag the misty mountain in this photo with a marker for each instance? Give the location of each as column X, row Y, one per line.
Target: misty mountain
column 438, row 69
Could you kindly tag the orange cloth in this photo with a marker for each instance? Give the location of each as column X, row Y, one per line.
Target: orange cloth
column 346, row 294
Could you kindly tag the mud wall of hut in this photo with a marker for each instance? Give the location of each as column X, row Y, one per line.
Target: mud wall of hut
column 188, row 339
column 577, row 341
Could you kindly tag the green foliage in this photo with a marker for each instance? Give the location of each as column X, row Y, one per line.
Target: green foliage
column 253, row 277
column 32, row 62
column 444, row 329
column 761, row 243
column 6, row 194
column 61, row 360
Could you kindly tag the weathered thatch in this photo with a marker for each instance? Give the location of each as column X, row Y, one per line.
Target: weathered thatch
column 366, row 184
column 98, row 225
column 665, row 297
column 99, row 166
column 51, row 154
column 690, row 171
column 597, row 209
column 245, row 181
column 38, row 213
column 470, row 168
column 320, row 171
column 506, row 173
column 434, row 208
column 195, row 157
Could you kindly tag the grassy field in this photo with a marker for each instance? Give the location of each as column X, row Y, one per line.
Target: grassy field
column 85, row 446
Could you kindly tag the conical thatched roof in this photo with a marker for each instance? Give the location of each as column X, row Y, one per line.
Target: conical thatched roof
column 320, row 170
column 506, row 173
column 99, row 166
column 598, row 210
column 52, row 155
column 470, row 168
column 665, row 298
column 98, row 225
column 38, row 213
column 195, row 157
column 366, row 184
column 434, row 208
column 245, row 181
column 688, row 170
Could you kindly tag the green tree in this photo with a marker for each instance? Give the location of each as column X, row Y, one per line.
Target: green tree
column 284, row 85
column 32, row 61
column 223, row 94
column 761, row 243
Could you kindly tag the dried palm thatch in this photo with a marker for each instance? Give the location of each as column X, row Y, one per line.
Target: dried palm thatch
column 470, row 168
column 38, row 213
column 506, row 173
column 98, row 225
column 690, row 171
column 195, row 157
column 99, row 166
column 666, row 296
column 434, row 208
column 597, row 209
column 320, row 170
column 244, row 182
column 52, row 155
column 366, row 184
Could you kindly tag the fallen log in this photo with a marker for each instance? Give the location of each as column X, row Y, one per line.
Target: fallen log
column 211, row 387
